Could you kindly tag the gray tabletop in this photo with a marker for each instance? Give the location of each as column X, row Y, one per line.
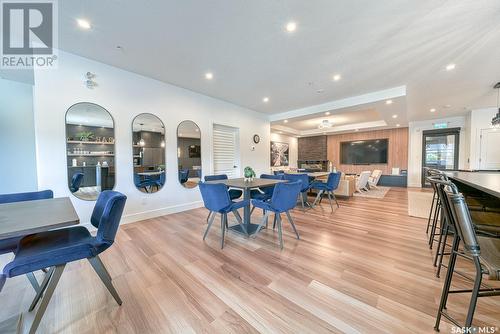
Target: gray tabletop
column 489, row 182
column 23, row 218
column 241, row 184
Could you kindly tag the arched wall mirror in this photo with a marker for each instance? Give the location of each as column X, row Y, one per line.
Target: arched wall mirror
column 90, row 147
column 148, row 146
column 189, row 153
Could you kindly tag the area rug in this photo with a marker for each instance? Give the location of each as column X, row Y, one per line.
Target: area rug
column 419, row 203
column 378, row 192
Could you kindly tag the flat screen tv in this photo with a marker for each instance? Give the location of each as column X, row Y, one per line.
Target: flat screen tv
column 363, row 152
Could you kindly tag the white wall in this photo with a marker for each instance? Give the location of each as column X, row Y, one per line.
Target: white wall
column 415, row 145
column 292, row 145
column 480, row 119
column 17, row 138
column 124, row 95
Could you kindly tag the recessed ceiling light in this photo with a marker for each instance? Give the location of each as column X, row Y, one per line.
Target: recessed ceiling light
column 285, row 121
column 291, row 26
column 447, row 105
column 398, row 125
column 356, row 129
column 209, row 75
column 83, row 23
column 265, row 100
column 388, row 102
column 337, row 77
column 432, row 110
column 280, row 132
column 394, row 116
column 450, row 67
column 327, row 113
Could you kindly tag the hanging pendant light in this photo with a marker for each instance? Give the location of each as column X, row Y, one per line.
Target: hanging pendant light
column 496, row 120
column 141, row 142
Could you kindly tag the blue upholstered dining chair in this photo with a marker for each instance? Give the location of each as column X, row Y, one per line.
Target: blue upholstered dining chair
column 233, row 193
column 183, row 175
column 329, row 187
column 264, row 193
column 10, row 244
column 305, row 186
column 161, row 180
column 76, row 182
column 283, row 200
column 54, row 249
column 216, row 199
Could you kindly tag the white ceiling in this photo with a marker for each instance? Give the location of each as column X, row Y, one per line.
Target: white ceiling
column 374, row 45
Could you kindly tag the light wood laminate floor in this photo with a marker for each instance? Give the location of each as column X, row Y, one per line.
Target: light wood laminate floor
column 366, row 268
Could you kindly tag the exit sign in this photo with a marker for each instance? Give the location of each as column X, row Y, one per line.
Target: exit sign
column 440, row 125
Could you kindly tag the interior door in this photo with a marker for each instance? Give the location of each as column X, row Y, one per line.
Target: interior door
column 440, row 150
column 226, row 157
column 490, row 149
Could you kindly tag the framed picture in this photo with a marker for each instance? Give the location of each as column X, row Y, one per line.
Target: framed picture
column 279, row 154
column 194, row 151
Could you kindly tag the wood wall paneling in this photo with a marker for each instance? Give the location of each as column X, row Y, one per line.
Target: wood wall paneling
column 397, row 155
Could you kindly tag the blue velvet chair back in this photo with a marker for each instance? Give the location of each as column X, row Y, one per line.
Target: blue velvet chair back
column 215, row 196
column 76, row 181
column 183, row 175
column 137, row 180
column 107, row 214
column 285, row 195
column 29, row 196
column 162, row 178
column 303, row 178
column 270, row 189
column 215, row 177
column 279, row 172
column 333, row 181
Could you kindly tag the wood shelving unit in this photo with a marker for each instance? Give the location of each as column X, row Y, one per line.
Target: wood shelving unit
column 89, row 142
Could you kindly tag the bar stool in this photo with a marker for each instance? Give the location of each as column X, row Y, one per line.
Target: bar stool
column 482, row 251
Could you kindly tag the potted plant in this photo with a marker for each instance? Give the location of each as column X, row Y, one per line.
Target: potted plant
column 85, row 135
column 249, row 174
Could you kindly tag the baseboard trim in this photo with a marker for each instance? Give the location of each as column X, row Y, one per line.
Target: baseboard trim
column 135, row 217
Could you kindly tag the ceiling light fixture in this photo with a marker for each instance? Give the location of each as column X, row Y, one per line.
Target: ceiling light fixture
column 209, row 75
column 432, row 110
column 325, row 124
column 394, row 116
column 495, row 121
column 291, row 26
column 142, row 143
column 398, row 125
column 84, row 24
column 285, row 121
column 388, row 102
column 327, row 113
column 337, row 77
column 450, row 67
column 265, row 100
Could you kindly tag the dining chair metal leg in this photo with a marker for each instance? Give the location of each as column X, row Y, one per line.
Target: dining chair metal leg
column 280, row 230
column 103, row 274
column 317, row 198
column 54, row 279
column 210, row 222
column 240, row 221
column 41, row 289
column 437, row 213
column 274, row 221
column 33, row 281
column 443, row 248
column 330, row 200
column 335, row 198
column 440, row 240
column 223, row 222
column 209, row 214
column 302, row 202
column 263, row 221
column 291, row 223
column 251, row 211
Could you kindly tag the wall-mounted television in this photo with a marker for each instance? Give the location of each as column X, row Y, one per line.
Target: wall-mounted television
column 363, row 152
